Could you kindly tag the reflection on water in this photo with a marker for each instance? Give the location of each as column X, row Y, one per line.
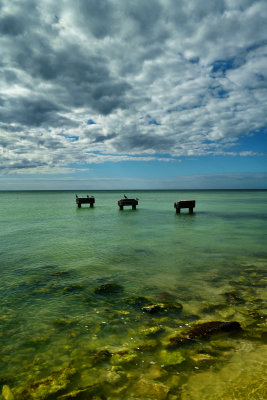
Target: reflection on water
column 101, row 304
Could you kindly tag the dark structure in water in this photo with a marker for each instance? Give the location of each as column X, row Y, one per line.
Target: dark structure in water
column 190, row 204
column 128, row 202
column 85, row 200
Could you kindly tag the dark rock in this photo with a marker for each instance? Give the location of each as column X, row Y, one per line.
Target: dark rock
column 138, row 301
column 147, row 345
column 102, row 355
column 162, row 307
column 108, row 289
column 204, row 330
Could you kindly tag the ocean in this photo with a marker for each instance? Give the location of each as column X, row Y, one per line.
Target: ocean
column 99, row 303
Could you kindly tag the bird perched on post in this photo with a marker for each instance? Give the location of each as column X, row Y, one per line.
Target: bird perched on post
column 125, row 197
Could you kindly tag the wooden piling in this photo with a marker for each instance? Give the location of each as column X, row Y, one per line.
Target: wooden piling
column 85, row 200
column 128, row 202
column 190, row 204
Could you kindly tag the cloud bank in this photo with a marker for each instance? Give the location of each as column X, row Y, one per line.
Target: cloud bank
column 93, row 81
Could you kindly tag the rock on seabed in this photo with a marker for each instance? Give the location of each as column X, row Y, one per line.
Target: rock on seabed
column 204, row 330
column 152, row 390
column 162, row 307
column 108, row 289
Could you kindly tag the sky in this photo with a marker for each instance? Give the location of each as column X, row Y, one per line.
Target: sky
column 133, row 94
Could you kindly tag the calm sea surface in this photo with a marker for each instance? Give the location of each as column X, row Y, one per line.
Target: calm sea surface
column 98, row 303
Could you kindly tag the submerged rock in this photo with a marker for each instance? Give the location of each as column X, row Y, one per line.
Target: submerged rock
column 122, row 312
column 113, row 377
column 102, row 355
column 204, row 330
column 52, row 384
column 151, row 389
column 108, row 289
column 155, row 372
column 170, row 358
column 148, row 345
column 152, row 331
column 245, row 380
column 162, row 308
column 123, row 357
column 138, row 301
column 200, row 357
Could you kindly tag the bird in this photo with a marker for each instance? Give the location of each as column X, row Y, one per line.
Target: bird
column 125, row 196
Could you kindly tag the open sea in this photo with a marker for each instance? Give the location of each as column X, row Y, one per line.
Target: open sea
column 103, row 304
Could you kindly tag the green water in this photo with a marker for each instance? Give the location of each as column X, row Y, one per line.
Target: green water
column 62, row 339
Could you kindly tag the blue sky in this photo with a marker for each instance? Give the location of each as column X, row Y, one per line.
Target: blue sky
column 133, row 95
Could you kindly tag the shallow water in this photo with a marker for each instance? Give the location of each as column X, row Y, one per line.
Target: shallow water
column 62, row 339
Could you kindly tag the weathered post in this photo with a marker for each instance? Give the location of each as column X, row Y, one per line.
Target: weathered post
column 190, row 204
column 85, row 200
column 128, row 202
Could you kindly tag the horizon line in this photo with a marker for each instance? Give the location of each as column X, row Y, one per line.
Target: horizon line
column 128, row 190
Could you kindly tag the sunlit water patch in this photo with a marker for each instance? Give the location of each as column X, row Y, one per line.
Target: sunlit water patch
column 107, row 304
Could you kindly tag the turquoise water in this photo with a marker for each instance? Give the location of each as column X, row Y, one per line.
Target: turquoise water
column 61, row 338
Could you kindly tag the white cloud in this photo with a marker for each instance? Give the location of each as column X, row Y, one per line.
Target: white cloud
column 160, row 76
